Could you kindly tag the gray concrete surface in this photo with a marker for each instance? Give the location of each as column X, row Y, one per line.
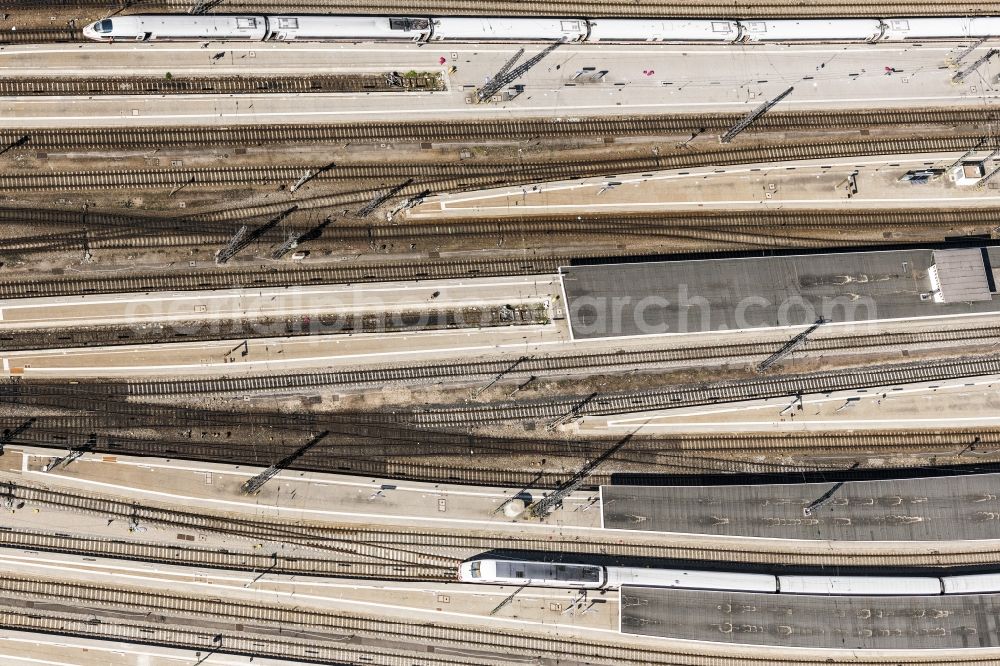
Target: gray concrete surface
column 843, row 623
column 944, row 508
column 733, row 294
column 684, row 78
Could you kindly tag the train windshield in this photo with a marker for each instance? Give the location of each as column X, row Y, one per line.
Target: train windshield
column 475, row 569
column 103, row 26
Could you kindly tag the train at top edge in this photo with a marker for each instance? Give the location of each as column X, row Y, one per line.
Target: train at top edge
column 282, row 28
column 597, row 577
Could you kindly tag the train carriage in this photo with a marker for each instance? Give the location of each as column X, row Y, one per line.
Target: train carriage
column 218, row 27
column 683, row 578
column 971, row 583
column 539, row 574
column 901, row 29
column 812, row 30
column 508, row 29
column 177, row 27
column 373, row 28
column 650, row 30
column 861, row 585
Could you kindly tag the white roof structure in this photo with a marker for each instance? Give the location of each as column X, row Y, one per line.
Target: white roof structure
column 919, row 28
column 473, row 29
column 882, row 585
column 812, row 30
column 186, row 26
column 638, row 30
column 706, row 580
column 348, row 27
column 971, row 583
column 959, row 276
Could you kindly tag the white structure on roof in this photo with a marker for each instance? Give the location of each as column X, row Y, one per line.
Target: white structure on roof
column 959, row 276
column 968, row 172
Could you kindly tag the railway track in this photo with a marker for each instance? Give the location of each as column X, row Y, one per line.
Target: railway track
column 281, row 326
column 449, row 546
column 59, row 230
column 461, row 643
column 386, row 451
column 216, row 85
column 548, row 365
column 476, row 174
column 234, row 641
column 40, row 35
column 340, row 565
column 560, row 410
column 486, row 130
column 282, row 276
column 346, row 540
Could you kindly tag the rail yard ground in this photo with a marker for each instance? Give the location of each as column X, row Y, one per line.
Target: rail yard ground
column 289, row 331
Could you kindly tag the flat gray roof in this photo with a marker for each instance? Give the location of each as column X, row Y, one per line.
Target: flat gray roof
column 724, row 294
column 833, row 622
column 945, row 508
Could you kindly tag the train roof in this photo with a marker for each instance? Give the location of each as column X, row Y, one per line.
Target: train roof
column 708, row 580
column 812, row 29
column 665, row 30
column 367, row 27
column 863, row 585
column 508, row 28
column 573, row 573
column 188, row 26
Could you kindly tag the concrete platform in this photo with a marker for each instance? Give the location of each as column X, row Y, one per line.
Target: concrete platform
column 805, row 621
column 948, row 508
column 955, row 404
column 136, row 309
column 268, row 349
column 806, row 184
column 697, row 296
column 684, row 78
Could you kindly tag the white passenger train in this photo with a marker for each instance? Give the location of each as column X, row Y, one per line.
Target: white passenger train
column 594, row 577
column 218, row 27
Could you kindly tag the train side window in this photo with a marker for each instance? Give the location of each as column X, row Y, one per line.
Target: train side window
column 475, row 569
column 518, row 573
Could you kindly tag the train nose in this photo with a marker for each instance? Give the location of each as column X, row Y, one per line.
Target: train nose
column 89, row 32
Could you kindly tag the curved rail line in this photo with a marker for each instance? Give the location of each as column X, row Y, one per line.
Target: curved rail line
column 462, row 176
column 423, row 546
column 539, row 366
column 60, row 230
column 729, row 391
column 235, row 640
column 474, row 645
column 343, row 565
column 387, row 452
column 486, row 130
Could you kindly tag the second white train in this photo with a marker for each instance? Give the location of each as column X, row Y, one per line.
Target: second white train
column 590, row 576
column 219, row 27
